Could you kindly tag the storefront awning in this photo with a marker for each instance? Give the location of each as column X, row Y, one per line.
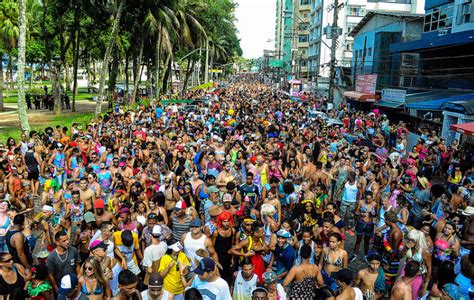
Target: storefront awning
column 389, row 104
column 466, row 128
column 362, row 97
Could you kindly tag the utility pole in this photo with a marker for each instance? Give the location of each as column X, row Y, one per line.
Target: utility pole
column 334, row 35
column 206, row 68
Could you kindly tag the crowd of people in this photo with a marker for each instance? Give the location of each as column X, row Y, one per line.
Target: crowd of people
column 242, row 197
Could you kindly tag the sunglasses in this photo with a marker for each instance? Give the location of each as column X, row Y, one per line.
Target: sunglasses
column 7, row 260
column 89, row 269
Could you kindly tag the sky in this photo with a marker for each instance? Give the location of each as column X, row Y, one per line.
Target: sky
column 256, row 25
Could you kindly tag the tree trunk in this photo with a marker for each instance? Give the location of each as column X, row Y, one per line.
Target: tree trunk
column 125, row 90
column 157, row 64
column 32, row 73
column 167, row 73
column 10, row 70
column 108, row 51
column 75, row 55
column 67, row 77
column 2, row 108
column 188, row 73
column 113, row 79
column 25, row 126
column 138, row 68
column 55, row 81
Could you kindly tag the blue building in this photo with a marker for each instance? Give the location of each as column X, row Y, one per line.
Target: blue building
column 373, row 36
column 444, row 62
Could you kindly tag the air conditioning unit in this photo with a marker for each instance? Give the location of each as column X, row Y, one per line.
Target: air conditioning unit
column 442, row 32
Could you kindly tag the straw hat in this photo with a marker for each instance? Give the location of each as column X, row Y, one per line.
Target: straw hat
column 468, row 211
column 423, row 181
column 214, row 211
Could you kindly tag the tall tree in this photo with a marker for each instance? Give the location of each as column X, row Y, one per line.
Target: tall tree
column 108, row 51
column 25, row 126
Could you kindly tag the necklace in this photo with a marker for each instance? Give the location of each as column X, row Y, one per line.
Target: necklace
column 59, row 256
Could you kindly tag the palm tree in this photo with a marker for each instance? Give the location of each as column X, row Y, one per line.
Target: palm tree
column 162, row 22
column 25, row 126
column 108, row 51
column 9, row 30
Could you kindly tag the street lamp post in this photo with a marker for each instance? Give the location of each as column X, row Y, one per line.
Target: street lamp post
column 56, row 82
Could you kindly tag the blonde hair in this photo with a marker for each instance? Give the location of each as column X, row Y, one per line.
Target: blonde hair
column 420, row 239
column 267, row 210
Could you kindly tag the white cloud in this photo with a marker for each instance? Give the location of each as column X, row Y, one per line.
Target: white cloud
column 256, row 25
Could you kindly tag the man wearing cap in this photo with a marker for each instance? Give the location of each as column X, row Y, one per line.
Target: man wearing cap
column 196, row 240
column 127, row 249
column 69, row 287
column 154, row 252
column 173, row 269
column 284, row 256
column 213, row 200
column 211, row 286
column 105, row 235
column 275, row 289
column 344, row 279
column 101, row 215
column 155, row 289
column 211, row 226
column 98, row 249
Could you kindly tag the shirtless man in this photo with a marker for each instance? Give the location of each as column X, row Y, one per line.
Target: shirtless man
column 319, row 176
column 101, row 215
column 308, row 169
column 392, row 249
column 366, row 278
column 114, row 168
column 126, row 171
column 344, row 279
column 87, row 195
column 402, row 290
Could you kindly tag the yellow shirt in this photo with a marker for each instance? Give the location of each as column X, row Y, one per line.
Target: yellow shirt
column 126, row 251
column 172, row 282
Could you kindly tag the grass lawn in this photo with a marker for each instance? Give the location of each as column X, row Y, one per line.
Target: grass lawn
column 53, row 121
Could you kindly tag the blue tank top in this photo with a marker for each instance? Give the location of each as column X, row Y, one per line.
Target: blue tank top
column 73, row 162
column 95, row 167
column 59, row 160
column 105, row 180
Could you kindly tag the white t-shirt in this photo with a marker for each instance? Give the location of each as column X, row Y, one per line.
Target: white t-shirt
column 164, row 296
column 153, row 253
column 358, row 293
column 216, row 290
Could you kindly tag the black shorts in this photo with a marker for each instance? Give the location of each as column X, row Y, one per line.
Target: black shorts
column 33, row 174
column 366, row 229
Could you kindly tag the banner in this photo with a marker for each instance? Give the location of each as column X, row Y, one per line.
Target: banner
column 366, row 83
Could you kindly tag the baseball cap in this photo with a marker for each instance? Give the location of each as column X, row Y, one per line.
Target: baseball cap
column 176, row 247
column 196, row 223
column 205, row 265
column 212, row 189
column 180, row 205
column 156, row 281
column 97, row 244
column 227, row 198
column 68, row 283
column 343, row 275
column 127, row 238
column 269, row 277
column 99, row 203
column 156, row 232
column 283, row 233
column 89, row 217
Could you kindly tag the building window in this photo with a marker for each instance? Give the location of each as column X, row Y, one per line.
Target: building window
column 439, row 18
column 305, row 2
column 303, row 26
column 303, row 38
column 464, row 13
column 355, row 10
column 391, row 1
column 350, row 27
column 369, row 52
column 304, row 63
column 349, row 45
